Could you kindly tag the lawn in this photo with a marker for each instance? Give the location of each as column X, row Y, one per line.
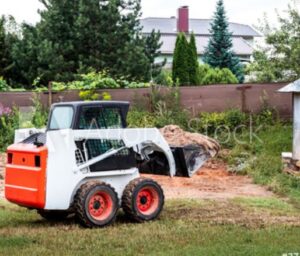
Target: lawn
column 241, row 226
column 260, row 157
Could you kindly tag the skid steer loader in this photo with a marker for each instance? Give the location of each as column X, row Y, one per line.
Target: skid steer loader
column 87, row 162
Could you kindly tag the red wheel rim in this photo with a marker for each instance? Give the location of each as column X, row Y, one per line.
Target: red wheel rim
column 147, row 200
column 100, row 205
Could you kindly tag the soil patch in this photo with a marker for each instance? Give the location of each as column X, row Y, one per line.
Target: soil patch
column 226, row 212
column 213, row 181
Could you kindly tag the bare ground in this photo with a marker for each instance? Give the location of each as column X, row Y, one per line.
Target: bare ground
column 211, row 182
column 218, row 190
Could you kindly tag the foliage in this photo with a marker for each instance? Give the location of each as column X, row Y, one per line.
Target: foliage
column 164, row 78
column 3, row 85
column 137, row 118
column 92, row 95
column 93, row 81
column 165, row 109
column 218, row 76
column 40, row 114
column 193, row 62
column 185, row 68
column 262, row 69
column 263, row 159
column 279, row 59
column 180, row 67
column 203, row 69
column 25, row 53
column 152, row 44
column 74, row 36
column 218, row 53
column 230, row 119
column 7, row 39
column 9, row 121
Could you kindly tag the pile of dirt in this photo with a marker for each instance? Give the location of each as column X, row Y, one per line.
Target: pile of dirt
column 175, row 136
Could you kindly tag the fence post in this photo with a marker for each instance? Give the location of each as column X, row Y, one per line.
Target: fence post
column 49, row 94
column 243, row 89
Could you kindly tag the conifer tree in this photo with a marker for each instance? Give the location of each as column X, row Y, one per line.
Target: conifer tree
column 180, row 70
column 193, row 61
column 219, row 53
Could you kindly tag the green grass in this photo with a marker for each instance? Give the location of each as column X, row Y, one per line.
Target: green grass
column 186, row 227
column 261, row 159
column 271, row 205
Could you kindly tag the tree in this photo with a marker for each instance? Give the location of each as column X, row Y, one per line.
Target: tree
column 25, row 56
column 83, row 35
column 3, row 52
column 193, row 61
column 218, row 53
column 153, row 44
column 180, row 69
column 6, row 42
column 279, row 59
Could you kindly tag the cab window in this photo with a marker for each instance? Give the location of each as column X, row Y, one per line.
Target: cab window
column 100, row 118
column 61, row 118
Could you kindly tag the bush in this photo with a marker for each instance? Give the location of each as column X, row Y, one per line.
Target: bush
column 164, row 78
column 9, row 121
column 94, row 81
column 231, row 119
column 219, row 76
column 40, row 114
column 92, row 95
column 140, row 119
column 167, row 108
column 3, row 85
column 89, row 95
column 202, row 71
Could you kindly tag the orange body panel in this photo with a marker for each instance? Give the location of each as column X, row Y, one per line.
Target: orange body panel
column 25, row 178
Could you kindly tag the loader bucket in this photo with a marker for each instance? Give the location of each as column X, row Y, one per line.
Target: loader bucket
column 189, row 159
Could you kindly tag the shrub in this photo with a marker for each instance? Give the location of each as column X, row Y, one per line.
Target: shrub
column 164, row 78
column 167, row 108
column 202, row 71
column 230, row 119
column 106, row 96
column 136, row 119
column 94, row 81
column 9, row 121
column 219, row 76
column 3, row 85
column 89, row 95
column 40, row 114
column 92, row 95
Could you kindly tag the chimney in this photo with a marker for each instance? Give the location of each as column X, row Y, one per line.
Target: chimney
column 183, row 19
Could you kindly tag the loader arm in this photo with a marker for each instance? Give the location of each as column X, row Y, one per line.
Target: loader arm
column 141, row 140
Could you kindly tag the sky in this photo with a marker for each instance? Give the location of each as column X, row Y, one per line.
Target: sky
column 241, row 11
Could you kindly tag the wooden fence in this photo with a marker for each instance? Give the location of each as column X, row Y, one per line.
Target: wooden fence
column 247, row 97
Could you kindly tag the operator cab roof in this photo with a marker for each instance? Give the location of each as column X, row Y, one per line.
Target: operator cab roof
column 89, row 103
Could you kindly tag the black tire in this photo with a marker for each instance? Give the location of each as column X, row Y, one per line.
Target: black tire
column 138, row 203
column 96, row 204
column 54, row 215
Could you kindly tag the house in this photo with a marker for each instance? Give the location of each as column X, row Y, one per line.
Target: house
column 243, row 35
